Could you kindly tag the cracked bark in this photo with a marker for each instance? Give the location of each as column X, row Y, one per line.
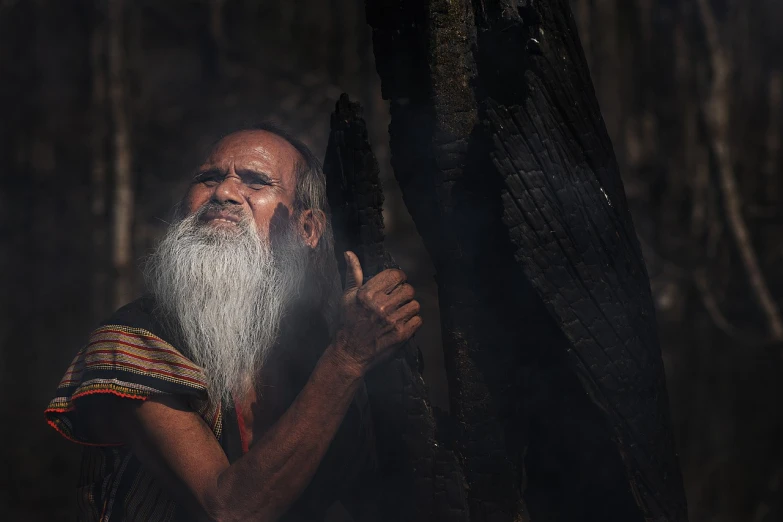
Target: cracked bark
column 420, row 479
column 566, row 225
column 567, row 216
column 423, row 56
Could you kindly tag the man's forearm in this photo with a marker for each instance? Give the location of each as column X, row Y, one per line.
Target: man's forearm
column 270, row 477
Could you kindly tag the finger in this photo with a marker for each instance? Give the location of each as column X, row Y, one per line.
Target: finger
column 353, row 271
column 402, row 332
column 405, row 312
column 414, row 323
column 400, row 295
column 386, row 281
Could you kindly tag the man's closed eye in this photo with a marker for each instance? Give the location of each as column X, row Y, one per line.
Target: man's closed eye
column 209, row 178
column 254, row 179
column 256, row 182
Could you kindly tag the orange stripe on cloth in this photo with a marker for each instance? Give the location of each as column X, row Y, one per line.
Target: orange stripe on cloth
column 130, row 363
column 137, row 346
column 146, row 369
column 75, row 374
column 109, row 348
column 142, row 348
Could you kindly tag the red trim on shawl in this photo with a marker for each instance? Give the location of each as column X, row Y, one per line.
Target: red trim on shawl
column 54, row 425
column 147, row 359
column 241, row 423
column 146, row 370
column 140, row 347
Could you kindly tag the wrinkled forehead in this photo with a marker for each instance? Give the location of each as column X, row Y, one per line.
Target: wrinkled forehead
column 257, row 150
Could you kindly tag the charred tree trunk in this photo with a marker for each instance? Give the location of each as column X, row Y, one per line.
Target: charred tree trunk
column 419, row 479
column 423, row 55
column 567, row 215
column 453, row 71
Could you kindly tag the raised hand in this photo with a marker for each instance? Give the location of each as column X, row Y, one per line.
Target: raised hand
column 377, row 316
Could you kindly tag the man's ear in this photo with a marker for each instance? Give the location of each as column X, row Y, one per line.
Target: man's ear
column 312, row 224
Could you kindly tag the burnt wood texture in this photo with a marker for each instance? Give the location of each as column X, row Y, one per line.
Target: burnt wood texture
column 423, row 56
column 417, row 478
column 567, row 216
column 507, row 170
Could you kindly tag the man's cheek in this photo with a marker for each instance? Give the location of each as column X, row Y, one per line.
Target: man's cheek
column 195, row 198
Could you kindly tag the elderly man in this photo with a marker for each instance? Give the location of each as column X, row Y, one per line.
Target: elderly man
column 221, row 394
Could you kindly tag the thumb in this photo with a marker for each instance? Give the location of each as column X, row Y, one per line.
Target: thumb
column 353, row 271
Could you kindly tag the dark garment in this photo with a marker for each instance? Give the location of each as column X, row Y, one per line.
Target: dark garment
column 129, row 357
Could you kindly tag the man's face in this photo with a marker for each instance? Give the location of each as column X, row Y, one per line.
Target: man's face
column 249, row 174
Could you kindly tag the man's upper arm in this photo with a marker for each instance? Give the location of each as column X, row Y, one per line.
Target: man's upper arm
column 175, row 444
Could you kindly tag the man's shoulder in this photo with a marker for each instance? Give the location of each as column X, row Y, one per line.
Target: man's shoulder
column 139, row 314
column 125, row 357
column 132, row 339
column 140, row 318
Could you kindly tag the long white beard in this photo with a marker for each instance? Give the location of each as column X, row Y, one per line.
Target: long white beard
column 224, row 295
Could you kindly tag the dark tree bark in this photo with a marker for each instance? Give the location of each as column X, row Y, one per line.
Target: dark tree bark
column 452, row 71
column 567, row 216
column 419, row 479
column 424, row 59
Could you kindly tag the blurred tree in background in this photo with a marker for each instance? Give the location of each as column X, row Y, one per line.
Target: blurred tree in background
column 106, row 106
column 691, row 94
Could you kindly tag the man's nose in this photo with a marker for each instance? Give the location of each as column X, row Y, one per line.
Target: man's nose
column 229, row 190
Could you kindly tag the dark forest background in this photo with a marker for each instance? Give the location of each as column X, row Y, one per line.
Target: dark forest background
column 106, row 105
